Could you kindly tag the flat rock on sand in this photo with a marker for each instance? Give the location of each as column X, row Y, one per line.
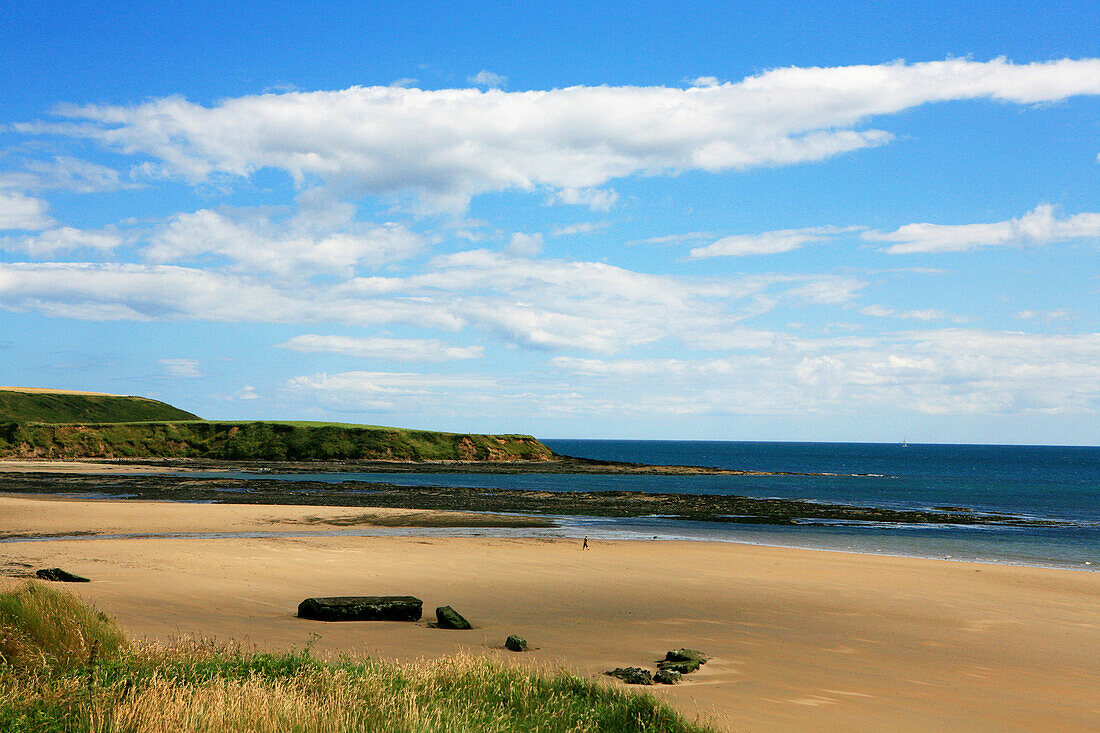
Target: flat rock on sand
column 362, row 608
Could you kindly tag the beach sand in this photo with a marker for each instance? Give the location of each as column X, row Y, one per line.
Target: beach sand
column 802, row 640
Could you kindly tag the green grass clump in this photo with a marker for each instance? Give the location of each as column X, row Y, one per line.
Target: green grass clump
column 61, row 407
column 191, row 686
column 270, row 441
column 45, row 627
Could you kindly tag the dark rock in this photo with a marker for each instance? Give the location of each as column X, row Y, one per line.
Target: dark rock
column 448, row 618
column 686, row 655
column 516, row 643
column 681, row 667
column 666, row 677
column 362, row 608
column 59, row 576
column 632, row 675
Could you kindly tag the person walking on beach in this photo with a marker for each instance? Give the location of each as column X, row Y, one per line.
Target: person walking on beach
column 585, row 545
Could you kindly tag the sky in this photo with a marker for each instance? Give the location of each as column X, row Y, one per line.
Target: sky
column 757, row 221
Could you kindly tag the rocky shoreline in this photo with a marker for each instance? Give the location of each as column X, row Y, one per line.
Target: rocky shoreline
column 619, row 504
column 557, row 465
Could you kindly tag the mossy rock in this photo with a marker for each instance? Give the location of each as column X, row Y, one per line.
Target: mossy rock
column 448, row 618
column 686, row 655
column 515, row 643
column 632, row 675
column 58, row 575
column 361, row 608
column 667, row 677
column 681, row 667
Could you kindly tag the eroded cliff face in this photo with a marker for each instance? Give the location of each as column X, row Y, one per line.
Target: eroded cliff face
column 498, row 448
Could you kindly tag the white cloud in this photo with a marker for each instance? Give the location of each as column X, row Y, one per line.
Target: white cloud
column 19, row 211
column 1038, row 226
column 448, row 145
column 674, row 238
column 950, row 371
column 946, row 372
column 63, row 172
column 181, row 367
column 63, row 239
column 167, row 293
column 766, row 243
column 525, row 245
column 584, row 227
column 541, row 304
column 379, row 347
column 705, row 81
column 597, row 199
column 486, row 78
column 828, row 290
column 384, row 391
column 317, row 239
column 246, row 392
column 881, row 311
column 1052, row 315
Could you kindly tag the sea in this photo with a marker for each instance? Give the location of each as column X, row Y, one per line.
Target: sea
column 1041, row 482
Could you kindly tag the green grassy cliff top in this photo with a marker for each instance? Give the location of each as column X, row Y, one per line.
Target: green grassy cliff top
column 54, row 424
column 59, row 406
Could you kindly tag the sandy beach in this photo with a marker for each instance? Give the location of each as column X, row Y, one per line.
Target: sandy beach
column 802, row 640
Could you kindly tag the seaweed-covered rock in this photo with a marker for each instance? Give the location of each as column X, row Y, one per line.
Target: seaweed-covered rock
column 686, row 655
column 632, row 675
column 448, row 618
column 58, row 575
column 681, row 667
column 666, row 677
column 362, row 608
column 515, row 643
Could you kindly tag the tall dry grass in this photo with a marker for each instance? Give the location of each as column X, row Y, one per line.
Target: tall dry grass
column 44, row 626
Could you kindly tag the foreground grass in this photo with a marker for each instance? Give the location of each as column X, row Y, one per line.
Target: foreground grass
column 192, row 686
column 43, row 628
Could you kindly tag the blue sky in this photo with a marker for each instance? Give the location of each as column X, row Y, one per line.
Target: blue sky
column 859, row 221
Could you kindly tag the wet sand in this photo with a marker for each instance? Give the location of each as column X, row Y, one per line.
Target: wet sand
column 802, row 640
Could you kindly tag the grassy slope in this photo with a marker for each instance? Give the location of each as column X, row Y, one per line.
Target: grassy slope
column 63, row 425
column 258, row 441
column 59, row 681
column 63, row 407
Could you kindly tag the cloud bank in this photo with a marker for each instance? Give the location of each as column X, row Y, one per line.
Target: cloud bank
column 451, row 144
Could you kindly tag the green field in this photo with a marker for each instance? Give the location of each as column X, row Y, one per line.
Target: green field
column 268, row 441
column 65, row 407
column 64, row 425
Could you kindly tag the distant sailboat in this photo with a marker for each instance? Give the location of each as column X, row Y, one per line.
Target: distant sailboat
column 904, row 443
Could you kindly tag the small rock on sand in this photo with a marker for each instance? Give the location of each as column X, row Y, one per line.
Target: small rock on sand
column 448, row 618
column 58, row 575
column 666, row 677
column 686, row 655
column 632, row 675
column 515, row 643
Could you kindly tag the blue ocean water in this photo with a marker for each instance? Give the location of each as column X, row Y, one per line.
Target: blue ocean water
column 1048, row 482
